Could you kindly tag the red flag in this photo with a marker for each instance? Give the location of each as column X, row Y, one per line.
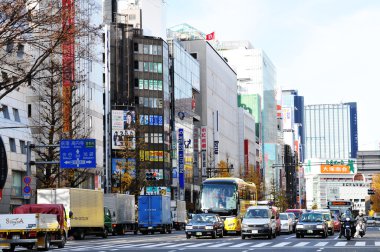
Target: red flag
column 210, row 36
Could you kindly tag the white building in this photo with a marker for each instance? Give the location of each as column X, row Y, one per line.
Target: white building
column 325, row 181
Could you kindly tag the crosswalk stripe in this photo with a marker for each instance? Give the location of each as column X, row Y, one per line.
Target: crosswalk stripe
column 260, row 245
column 178, row 245
column 377, row 243
column 320, row 244
column 156, row 245
column 198, row 245
column 361, row 244
column 240, row 244
column 301, row 244
column 340, row 244
column 141, row 244
column 281, row 244
column 220, row 245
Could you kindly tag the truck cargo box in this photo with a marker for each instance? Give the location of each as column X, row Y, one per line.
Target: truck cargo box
column 37, row 221
column 87, row 205
column 122, row 207
column 154, row 210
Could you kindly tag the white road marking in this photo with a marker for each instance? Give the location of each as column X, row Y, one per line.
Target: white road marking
column 156, row 245
column 198, row 245
column 301, row 244
column 290, row 237
column 178, row 245
column 219, row 245
column 340, row 244
column 241, row 244
column 260, row 245
column 320, row 244
column 361, row 244
column 281, row 244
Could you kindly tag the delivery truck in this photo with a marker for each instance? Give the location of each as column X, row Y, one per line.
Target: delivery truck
column 34, row 226
column 179, row 214
column 154, row 214
column 90, row 217
column 123, row 212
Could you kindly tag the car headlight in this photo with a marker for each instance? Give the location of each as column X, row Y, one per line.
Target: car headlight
column 209, row 227
column 319, row 226
column 266, row 225
column 189, row 227
column 244, row 225
column 300, row 226
column 347, row 219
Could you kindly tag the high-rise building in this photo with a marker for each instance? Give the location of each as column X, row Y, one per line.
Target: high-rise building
column 218, row 103
column 331, row 131
column 256, row 74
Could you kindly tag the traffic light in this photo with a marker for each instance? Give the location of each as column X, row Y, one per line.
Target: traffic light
column 151, row 176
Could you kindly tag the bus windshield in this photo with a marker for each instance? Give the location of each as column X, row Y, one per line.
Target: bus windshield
column 218, row 197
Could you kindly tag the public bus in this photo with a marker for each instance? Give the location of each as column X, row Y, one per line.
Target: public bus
column 338, row 207
column 228, row 197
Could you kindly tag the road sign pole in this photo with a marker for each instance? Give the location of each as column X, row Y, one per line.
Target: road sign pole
column 28, row 164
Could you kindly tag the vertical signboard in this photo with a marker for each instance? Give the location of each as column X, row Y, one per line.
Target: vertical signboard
column 246, row 161
column 181, row 161
column 203, row 138
column 68, row 63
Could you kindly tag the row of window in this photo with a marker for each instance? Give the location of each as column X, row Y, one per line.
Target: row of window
column 147, row 49
column 149, row 84
column 12, row 144
column 154, row 120
column 150, row 102
column 153, row 67
column 16, row 114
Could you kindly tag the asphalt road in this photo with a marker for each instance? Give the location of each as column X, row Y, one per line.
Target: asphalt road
column 177, row 241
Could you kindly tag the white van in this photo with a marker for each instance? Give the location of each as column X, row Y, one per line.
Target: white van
column 258, row 221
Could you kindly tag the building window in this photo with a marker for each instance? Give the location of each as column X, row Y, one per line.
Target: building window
column 23, row 147
column 20, row 51
column 136, row 65
column 136, row 47
column 5, row 111
column 12, row 144
column 16, row 115
column 29, row 110
column 17, row 183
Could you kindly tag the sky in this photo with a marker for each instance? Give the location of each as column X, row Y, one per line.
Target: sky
column 328, row 50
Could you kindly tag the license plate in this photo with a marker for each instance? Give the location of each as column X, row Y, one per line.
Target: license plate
column 16, row 237
column 309, row 231
column 150, row 227
column 198, row 233
column 255, row 231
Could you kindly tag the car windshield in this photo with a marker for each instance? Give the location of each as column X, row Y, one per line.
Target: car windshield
column 216, row 197
column 257, row 213
column 370, row 218
column 297, row 214
column 312, row 217
column 283, row 217
column 327, row 217
column 203, row 218
column 292, row 216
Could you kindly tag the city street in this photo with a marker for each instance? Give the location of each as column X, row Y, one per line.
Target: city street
column 177, row 242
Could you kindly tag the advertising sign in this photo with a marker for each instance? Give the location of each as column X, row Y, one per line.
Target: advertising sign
column 287, row 118
column 158, row 190
column 123, row 129
column 335, row 169
column 120, row 165
column 181, row 161
column 203, row 138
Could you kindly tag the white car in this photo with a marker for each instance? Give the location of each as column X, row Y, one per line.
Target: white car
column 286, row 223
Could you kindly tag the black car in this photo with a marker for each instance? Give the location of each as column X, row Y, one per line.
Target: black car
column 311, row 224
column 205, row 225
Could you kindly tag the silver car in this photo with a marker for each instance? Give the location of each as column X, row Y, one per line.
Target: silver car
column 258, row 221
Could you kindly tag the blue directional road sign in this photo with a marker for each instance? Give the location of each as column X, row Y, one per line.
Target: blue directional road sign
column 78, row 153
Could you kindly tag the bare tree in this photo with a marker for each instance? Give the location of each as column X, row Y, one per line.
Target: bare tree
column 34, row 31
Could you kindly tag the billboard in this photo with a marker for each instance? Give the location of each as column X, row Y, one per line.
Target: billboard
column 121, row 165
column 123, row 129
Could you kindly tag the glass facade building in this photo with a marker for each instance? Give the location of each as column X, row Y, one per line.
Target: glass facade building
column 331, row 131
